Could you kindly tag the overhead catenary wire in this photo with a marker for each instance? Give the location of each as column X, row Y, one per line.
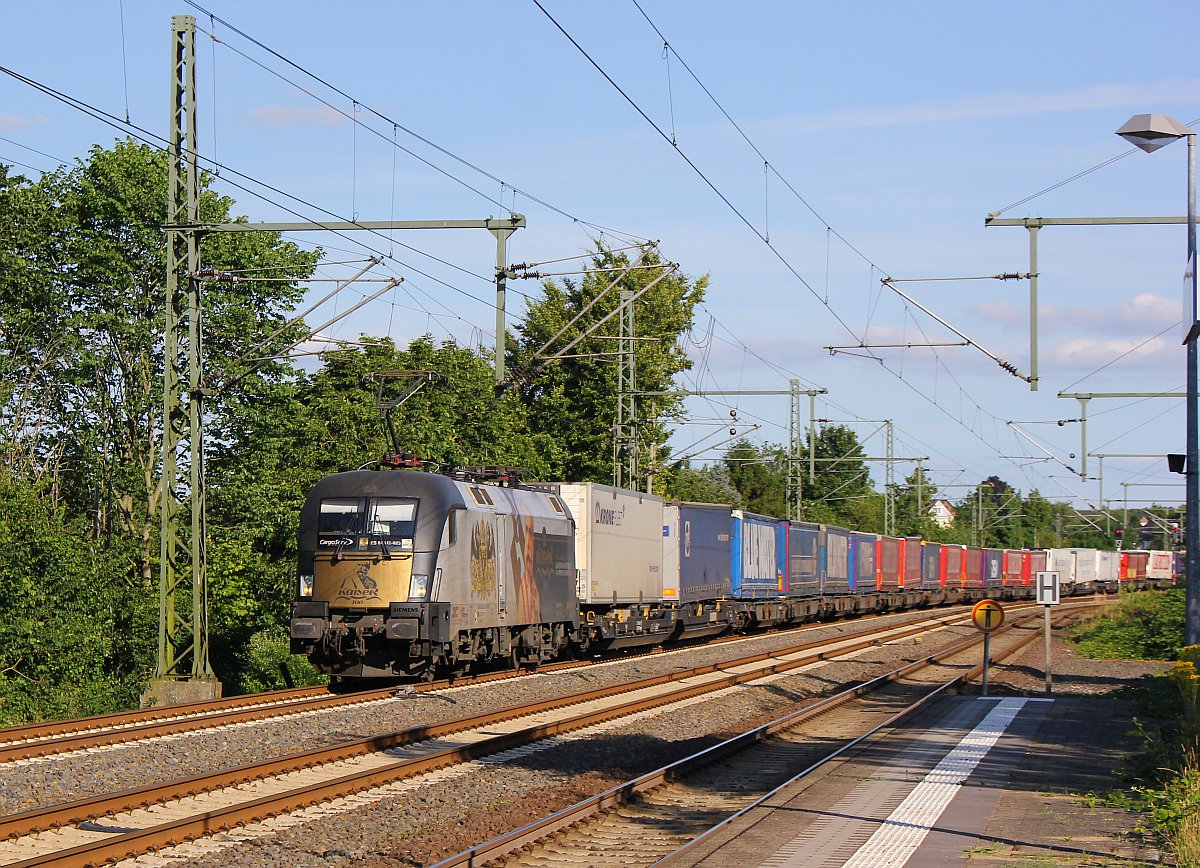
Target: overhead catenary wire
column 355, row 241
column 1074, row 177
column 1129, row 351
column 158, row 142
column 586, row 255
column 11, row 162
column 901, row 375
column 58, row 160
column 409, row 286
column 412, row 133
column 829, row 229
column 699, row 173
column 742, row 217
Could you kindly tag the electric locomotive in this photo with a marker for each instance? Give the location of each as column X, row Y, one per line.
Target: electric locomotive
column 410, row 573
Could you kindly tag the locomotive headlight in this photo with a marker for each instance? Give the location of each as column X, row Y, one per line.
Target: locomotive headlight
column 306, row 587
column 418, row 587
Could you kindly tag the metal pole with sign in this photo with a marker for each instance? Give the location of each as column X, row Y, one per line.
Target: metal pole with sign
column 988, row 616
column 1047, row 596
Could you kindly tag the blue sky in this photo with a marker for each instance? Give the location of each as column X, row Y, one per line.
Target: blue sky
column 900, row 125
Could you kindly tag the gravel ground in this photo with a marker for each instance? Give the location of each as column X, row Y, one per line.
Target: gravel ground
column 57, row 779
column 420, row 826
column 1070, row 673
column 417, row 823
column 63, row 778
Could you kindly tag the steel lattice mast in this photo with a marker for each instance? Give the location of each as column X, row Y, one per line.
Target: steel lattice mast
column 182, row 629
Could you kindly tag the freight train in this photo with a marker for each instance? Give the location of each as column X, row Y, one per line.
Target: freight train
column 414, row 573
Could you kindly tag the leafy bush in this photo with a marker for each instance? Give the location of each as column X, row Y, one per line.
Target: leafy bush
column 266, row 654
column 1145, row 626
column 72, row 642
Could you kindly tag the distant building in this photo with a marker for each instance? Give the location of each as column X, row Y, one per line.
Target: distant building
column 942, row 513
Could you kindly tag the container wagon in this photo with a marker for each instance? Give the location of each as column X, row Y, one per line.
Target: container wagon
column 863, row 578
column 834, row 558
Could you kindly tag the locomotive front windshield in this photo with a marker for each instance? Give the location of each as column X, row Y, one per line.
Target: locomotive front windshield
column 348, row 523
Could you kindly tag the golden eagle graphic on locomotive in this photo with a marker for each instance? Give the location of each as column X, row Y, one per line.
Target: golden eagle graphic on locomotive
column 418, row 573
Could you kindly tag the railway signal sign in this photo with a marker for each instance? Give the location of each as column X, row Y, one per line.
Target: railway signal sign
column 987, row 615
column 1047, row 587
column 1047, row 596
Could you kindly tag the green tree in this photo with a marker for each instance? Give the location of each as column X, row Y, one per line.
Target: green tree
column 82, row 306
column 913, row 499
column 1036, row 522
column 82, row 312
column 841, row 491
column 573, row 401
column 70, row 635
column 759, row 475
column 699, row 485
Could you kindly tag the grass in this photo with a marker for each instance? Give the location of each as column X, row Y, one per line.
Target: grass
column 1163, row 781
column 1145, row 625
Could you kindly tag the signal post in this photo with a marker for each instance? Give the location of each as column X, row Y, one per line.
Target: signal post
column 1047, row 596
column 987, row 616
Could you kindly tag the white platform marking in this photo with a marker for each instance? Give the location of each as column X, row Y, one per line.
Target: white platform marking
column 901, row 834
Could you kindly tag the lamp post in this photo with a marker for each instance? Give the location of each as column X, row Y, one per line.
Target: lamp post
column 1151, row 132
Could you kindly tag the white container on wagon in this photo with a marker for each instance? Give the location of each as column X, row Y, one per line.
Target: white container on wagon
column 1084, row 570
column 1161, row 566
column 618, row 542
column 1108, row 569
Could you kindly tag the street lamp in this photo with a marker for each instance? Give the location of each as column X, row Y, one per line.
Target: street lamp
column 1151, row 132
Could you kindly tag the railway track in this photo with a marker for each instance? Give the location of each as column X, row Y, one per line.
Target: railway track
column 111, row 827
column 34, row 741
column 657, row 818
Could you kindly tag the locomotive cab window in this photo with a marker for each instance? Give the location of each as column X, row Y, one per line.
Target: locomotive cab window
column 392, row 520
column 339, row 521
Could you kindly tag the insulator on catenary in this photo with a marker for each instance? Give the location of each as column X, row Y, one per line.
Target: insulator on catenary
column 214, row 274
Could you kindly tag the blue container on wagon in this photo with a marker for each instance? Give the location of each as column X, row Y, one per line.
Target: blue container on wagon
column 803, row 558
column 931, row 565
column 862, row 562
column 758, row 556
column 834, row 560
column 696, row 552
column 993, row 568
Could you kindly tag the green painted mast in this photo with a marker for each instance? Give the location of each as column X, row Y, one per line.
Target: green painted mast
column 182, row 670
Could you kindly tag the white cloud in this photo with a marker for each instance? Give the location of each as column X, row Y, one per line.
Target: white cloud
column 999, row 105
column 1001, row 312
column 1145, row 314
column 1148, row 309
column 1088, row 352
column 277, row 116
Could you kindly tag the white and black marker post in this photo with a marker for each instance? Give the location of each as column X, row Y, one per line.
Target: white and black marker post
column 1047, row 596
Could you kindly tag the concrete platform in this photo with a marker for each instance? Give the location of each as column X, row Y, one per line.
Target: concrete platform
column 984, row 780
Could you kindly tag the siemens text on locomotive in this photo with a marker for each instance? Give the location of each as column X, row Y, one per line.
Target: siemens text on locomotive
column 404, row 572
